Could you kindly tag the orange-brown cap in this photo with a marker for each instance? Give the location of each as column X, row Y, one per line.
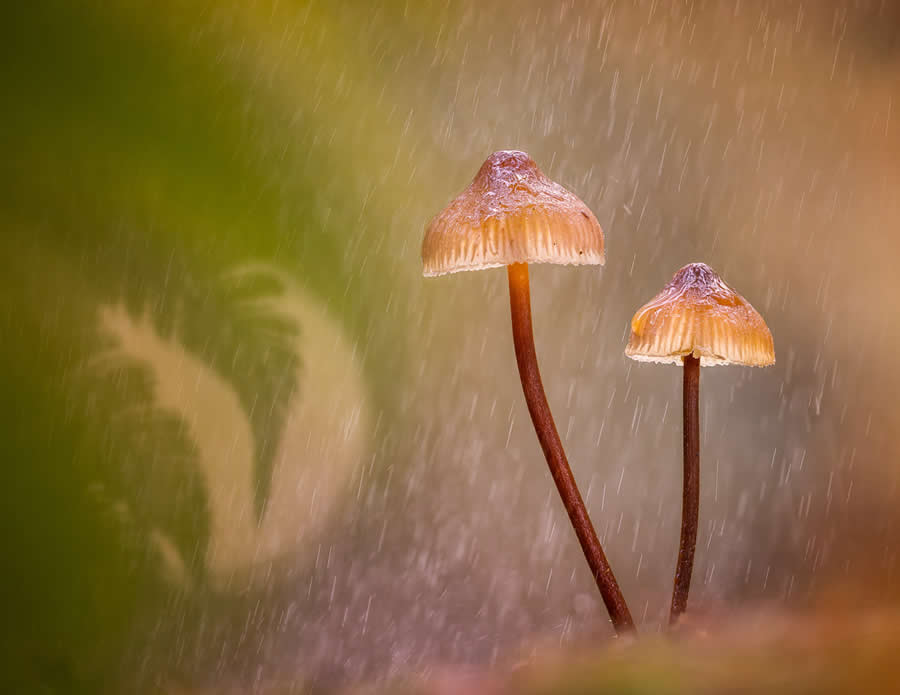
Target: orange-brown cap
column 698, row 314
column 511, row 213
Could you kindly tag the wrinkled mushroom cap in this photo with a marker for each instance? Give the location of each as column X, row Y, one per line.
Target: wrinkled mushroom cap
column 697, row 313
column 511, row 213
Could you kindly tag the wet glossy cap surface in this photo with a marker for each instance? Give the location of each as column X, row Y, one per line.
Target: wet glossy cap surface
column 511, row 213
column 697, row 313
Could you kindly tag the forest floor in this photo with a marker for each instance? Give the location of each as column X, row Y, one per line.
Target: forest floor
column 759, row 652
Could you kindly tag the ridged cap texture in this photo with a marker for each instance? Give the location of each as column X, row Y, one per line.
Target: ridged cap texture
column 698, row 314
column 511, row 213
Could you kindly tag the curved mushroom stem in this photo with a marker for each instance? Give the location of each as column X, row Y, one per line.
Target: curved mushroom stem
column 523, row 337
column 690, row 502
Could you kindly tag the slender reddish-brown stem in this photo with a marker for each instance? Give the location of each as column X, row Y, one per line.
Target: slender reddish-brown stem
column 690, row 500
column 523, row 337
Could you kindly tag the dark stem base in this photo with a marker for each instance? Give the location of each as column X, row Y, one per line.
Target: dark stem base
column 690, row 503
column 526, row 357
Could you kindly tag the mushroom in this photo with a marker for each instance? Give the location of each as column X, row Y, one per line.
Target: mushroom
column 696, row 320
column 512, row 215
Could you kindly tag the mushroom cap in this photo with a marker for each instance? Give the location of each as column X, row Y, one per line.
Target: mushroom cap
column 511, row 213
column 698, row 314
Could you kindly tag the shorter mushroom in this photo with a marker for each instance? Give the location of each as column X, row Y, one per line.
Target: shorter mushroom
column 697, row 320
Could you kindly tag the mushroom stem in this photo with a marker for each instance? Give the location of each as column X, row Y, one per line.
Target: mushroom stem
column 526, row 357
column 690, row 501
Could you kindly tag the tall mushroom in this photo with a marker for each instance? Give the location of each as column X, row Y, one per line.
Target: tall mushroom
column 512, row 215
column 696, row 320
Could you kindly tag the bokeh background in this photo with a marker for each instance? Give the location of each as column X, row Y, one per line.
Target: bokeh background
column 244, row 442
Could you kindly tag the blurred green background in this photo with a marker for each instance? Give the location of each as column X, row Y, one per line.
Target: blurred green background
column 245, row 440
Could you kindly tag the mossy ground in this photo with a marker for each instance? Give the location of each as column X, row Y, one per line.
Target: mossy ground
column 756, row 652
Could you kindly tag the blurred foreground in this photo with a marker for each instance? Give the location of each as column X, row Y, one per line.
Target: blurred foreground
column 827, row 652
